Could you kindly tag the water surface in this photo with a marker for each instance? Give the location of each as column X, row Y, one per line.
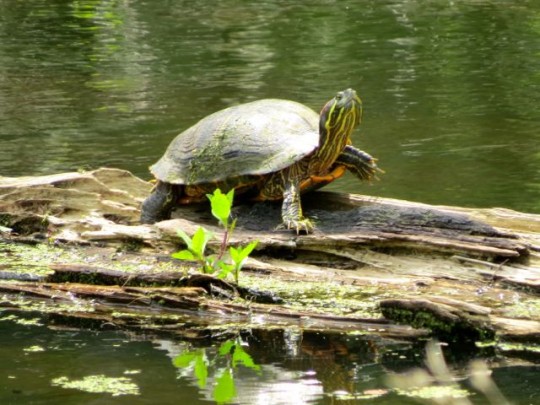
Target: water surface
column 450, row 89
column 295, row 367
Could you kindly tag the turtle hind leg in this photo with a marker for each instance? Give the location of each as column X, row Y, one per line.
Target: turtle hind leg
column 358, row 162
column 159, row 204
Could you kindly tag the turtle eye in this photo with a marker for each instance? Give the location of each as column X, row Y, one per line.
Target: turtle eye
column 339, row 96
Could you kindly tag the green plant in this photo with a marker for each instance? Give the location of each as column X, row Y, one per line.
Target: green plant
column 221, row 205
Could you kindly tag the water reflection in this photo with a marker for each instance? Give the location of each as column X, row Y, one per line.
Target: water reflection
column 290, row 367
column 44, row 361
column 450, row 89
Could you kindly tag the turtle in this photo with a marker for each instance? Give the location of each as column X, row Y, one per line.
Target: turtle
column 269, row 149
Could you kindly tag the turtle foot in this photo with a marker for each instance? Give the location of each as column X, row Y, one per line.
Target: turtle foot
column 303, row 225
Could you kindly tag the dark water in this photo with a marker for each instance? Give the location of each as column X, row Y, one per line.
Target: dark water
column 295, row 368
column 450, row 88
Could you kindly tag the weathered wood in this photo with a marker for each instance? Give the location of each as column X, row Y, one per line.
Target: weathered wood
column 81, row 273
column 376, row 225
column 170, row 300
column 102, row 206
column 470, row 272
column 450, row 321
column 454, row 320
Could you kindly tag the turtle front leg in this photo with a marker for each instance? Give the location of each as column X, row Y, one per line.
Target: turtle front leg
column 159, row 204
column 291, row 210
column 360, row 163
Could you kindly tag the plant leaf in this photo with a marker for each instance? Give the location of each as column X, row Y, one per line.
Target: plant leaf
column 201, row 370
column 225, row 389
column 241, row 356
column 184, row 360
column 209, row 264
column 239, row 255
column 226, row 268
column 200, row 239
column 184, row 255
column 221, row 206
column 246, row 251
column 226, row 347
column 235, row 254
column 232, row 226
column 187, row 240
column 230, row 197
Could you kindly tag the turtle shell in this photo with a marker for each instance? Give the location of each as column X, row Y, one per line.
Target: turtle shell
column 249, row 139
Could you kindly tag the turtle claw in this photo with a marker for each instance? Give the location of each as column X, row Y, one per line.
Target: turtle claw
column 304, row 225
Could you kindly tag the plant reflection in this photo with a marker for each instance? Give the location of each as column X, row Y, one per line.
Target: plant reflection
column 223, row 364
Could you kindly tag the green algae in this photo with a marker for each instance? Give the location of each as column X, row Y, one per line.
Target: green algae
column 36, row 259
column 519, row 347
column 22, row 258
column 22, row 321
column 98, row 384
column 45, row 306
column 325, row 297
column 528, row 308
column 365, row 395
column 467, row 328
column 34, row 349
column 435, row 392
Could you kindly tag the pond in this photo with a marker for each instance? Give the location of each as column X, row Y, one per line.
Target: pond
column 450, row 88
column 450, row 91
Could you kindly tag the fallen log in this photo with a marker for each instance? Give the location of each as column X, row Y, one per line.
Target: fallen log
column 103, row 206
column 371, row 265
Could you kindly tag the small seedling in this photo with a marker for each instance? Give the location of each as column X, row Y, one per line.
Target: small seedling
column 221, row 205
column 196, row 248
column 238, row 256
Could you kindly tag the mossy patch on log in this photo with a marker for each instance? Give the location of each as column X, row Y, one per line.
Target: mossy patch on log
column 446, row 323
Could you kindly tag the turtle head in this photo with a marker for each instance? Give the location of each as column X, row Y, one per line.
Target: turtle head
column 341, row 115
